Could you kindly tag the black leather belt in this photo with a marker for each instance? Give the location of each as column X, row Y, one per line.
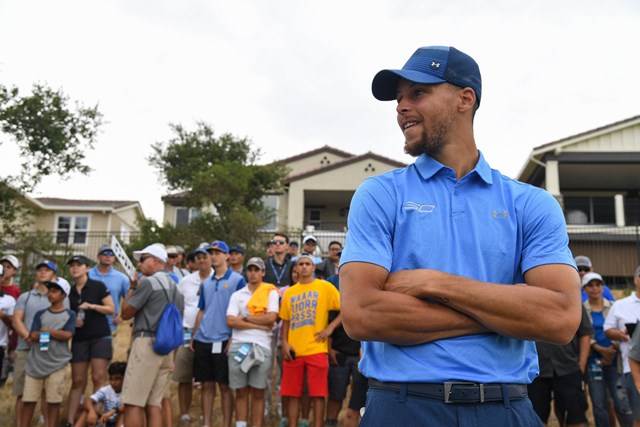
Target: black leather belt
column 456, row 392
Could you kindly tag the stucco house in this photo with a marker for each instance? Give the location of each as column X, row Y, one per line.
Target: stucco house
column 595, row 176
column 83, row 225
column 317, row 192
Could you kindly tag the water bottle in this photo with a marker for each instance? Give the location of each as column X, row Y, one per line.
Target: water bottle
column 596, row 370
column 45, row 339
column 186, row 338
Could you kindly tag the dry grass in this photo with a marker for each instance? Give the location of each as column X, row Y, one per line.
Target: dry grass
column 121, row 345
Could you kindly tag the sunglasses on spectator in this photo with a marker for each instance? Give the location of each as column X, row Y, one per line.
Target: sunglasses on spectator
column 107, row 253
column 279, row 242
column 173, row 256
column 143, row 258
column 585, row 269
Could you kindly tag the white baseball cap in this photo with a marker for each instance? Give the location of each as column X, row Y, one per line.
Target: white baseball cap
column 157, row 250
column 591, row 276
column 59, row 282
column 11, row 260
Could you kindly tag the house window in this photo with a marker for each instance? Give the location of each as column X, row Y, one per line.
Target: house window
column 72, row 229
column 185, row 215
column 315, row 218
column 271, row 203
column 125, row 235
column 589, row 210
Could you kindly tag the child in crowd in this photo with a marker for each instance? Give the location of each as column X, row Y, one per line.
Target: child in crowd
column 104, row 407
column 46, row 369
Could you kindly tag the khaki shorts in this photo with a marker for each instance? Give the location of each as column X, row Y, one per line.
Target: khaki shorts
column 147, row 375
column 19, row 365
column 183, row 372
column 257, row 376
column 53, row 384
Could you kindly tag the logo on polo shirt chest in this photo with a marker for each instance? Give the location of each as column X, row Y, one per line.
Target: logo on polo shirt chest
column 419, row 207
column 500, row 214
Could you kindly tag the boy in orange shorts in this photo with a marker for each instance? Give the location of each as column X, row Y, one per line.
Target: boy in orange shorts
column 305, row 329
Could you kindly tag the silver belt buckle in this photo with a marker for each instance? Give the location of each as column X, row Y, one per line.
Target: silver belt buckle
column 449, row 384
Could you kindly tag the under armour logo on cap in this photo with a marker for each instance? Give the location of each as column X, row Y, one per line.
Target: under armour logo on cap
column 435, row 64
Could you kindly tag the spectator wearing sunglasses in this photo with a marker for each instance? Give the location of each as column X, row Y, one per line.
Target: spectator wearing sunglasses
column 172, row 264
column 277, row 266
column 117, row 282
column 584, row 265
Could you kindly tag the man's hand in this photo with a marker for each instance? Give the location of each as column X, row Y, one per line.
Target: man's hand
column 324, row 334
column 92, row 418
column 286, row 351
column 333, row 357
column 105, row 417
column 404, row 281
column 117, row 320
column 608, row 355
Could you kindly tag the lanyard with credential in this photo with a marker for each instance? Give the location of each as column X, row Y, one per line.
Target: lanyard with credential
column 278, row 276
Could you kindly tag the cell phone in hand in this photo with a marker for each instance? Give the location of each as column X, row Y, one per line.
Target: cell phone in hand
column 292, row 353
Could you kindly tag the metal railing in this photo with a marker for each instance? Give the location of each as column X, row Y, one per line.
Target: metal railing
column 614, row 251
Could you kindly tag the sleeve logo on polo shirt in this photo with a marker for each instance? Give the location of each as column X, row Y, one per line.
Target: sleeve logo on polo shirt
column 413, row 206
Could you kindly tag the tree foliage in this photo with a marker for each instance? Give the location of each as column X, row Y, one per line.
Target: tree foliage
column 220, row 172
column 52, row 138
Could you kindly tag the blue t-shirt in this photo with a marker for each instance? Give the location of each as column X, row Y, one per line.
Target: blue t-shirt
column 118, row 284
column 597, row 319
column 214, row 300
column 484, row 226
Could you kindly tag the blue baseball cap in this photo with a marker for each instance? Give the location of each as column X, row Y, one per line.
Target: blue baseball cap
column 218, row 245
column 430, row 65
column 237, row 248
column 49, row 264
column 202, row 248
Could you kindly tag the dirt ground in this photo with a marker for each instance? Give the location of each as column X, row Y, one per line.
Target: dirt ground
column 121, row 344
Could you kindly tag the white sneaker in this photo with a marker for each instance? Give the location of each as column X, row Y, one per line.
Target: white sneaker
column 185, row 418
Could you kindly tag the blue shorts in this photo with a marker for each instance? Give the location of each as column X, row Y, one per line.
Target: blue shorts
column 393, row 408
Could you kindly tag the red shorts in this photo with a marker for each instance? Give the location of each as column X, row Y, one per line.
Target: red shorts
column 317, row 367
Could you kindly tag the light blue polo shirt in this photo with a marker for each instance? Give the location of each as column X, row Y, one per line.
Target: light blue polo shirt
column 214, row 300
column 486, row 227
column 118, row 284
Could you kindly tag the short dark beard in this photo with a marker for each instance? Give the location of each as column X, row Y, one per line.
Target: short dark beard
column 432, row 142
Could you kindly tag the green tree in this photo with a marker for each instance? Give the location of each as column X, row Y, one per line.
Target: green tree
column 52, row 137
column 220, row 172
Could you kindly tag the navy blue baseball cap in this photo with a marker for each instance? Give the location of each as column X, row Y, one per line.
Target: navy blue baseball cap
column 430, row 65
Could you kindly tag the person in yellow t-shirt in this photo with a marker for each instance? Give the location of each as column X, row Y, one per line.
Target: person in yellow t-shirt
column 305, row 329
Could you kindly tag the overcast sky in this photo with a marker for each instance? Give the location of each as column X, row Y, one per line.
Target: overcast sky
column 296, row 75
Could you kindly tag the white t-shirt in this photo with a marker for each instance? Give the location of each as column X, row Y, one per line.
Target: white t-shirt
column 108, row 397
column 625, row 310
column 238, row 307
column 7, row 304
column 189, row 287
